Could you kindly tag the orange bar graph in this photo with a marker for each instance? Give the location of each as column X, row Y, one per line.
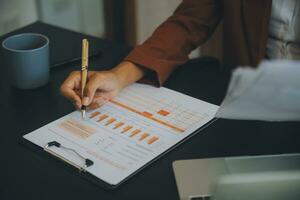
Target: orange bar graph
column 102, row 117
column 127, row 128
column 111, row 120
column 146, row 114
column 119, row 124
column 76, row 128
column 143, row 136
column 135, row 132
column 152, row 139
column 94, row 114
column 163, row 112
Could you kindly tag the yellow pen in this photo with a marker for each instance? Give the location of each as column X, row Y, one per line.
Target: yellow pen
column 84, row 71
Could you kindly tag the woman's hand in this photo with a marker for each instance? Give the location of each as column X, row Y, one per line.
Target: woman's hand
column 101, row 85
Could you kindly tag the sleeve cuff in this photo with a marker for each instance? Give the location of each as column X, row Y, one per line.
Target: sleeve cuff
column 160, row 69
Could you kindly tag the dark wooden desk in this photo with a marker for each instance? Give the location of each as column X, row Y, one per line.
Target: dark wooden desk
column 25, row 174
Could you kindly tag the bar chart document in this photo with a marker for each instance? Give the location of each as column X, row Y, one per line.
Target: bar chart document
column 128, row 132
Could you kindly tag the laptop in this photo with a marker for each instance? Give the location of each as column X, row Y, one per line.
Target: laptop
column 236, row 177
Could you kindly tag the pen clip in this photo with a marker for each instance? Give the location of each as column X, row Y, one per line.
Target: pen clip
column 85, row 54
column 87, row 162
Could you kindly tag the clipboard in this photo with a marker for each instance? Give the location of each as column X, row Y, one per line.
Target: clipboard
column 80, row 170
column 67, row 166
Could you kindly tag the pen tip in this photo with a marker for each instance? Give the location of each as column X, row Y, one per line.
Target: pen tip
column 82, row 114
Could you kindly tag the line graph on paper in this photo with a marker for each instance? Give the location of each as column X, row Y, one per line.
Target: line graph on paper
column 158, row 108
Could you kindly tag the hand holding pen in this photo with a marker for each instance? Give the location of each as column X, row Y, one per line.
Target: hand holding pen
column 98, row 86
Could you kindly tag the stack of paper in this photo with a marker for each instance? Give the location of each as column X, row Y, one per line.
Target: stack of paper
column 271, row 93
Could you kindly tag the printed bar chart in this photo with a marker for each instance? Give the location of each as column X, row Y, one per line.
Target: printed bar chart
column 160, row 109
column 127, row 128
column 146, row 114
column 94, row 114
column 106, row 120
column 135, row 132
column 76, row 128
column 136, row 127
column 149, row 116
column 102, row 117
column 152, row 139
column 143, row 136
column 163, row 112
column 118, row 125
column 111, row 120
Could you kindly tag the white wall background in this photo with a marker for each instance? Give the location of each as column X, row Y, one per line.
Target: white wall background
column 16, row 13
column 85, row 16
column 150, row 14
column 79, row 15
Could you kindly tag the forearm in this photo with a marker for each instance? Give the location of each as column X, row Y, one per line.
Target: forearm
column 128, row 73
column 169, row 46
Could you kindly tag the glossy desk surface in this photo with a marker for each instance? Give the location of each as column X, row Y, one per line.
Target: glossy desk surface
column 25, row 174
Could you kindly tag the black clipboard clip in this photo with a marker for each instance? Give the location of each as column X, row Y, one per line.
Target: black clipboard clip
column 87, row 162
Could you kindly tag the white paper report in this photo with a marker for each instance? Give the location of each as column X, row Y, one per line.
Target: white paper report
column 129, row 131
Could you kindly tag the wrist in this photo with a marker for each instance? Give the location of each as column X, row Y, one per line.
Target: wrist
column 128, row 73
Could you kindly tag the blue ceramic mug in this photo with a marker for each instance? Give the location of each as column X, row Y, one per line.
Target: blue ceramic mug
column 27, row 57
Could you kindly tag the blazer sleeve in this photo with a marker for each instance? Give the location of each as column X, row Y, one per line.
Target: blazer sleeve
column 170, row 44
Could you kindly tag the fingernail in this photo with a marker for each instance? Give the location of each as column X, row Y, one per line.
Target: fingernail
column 85, row 101
column 78, row 105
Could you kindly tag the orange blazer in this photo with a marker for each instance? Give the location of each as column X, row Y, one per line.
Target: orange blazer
column 245, row 32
